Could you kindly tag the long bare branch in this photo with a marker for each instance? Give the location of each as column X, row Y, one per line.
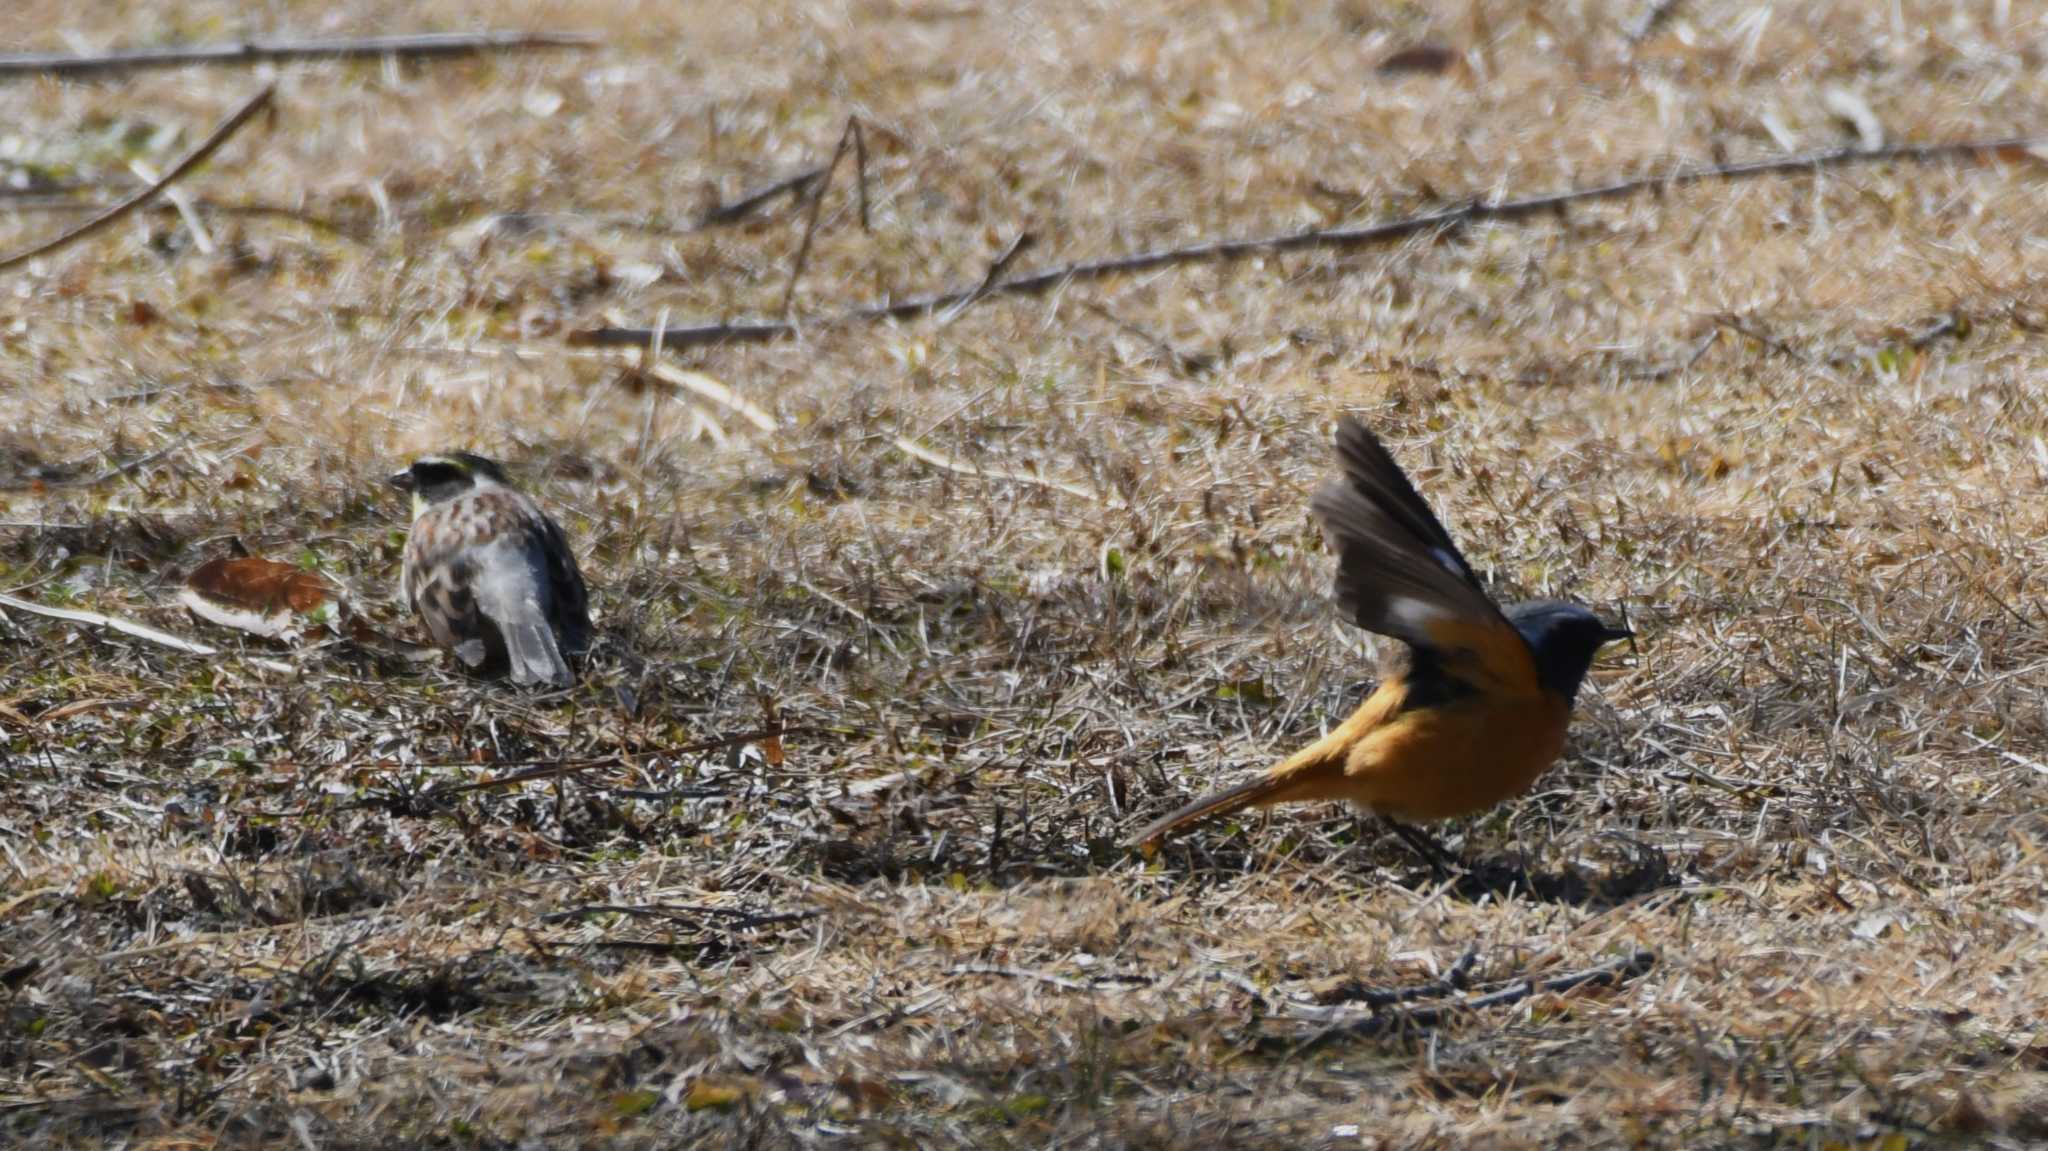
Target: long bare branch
column 193, row 159
column 256, row 51
column 1381, row 233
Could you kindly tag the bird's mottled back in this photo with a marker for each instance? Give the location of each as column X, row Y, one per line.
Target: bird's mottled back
column 490, row 573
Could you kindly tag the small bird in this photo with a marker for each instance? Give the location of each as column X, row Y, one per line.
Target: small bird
column 490, row 573
column 1470, row 709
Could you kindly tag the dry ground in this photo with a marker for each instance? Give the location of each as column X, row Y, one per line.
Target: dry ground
column 1793, row 425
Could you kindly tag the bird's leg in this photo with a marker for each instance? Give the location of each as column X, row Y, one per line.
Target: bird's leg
column 1433, row 853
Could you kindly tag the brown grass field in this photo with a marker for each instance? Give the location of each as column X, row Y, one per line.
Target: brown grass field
column 1793, row 425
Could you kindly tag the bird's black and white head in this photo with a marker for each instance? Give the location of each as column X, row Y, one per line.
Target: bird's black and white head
column 1564, row 637
column 435, row 479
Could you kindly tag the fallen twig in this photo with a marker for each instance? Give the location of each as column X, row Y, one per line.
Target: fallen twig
column 115, row 623
column 988, row 282
column 748, row 202
column 434, row 44
column 737, row 919
column 1182, row 362
column 917, row 451
column 1348, row 1022
column 97, row 478
column 193, row 159
column 1351, row 237
column 1456, row 979
column 1095, row 983
column 66, row 204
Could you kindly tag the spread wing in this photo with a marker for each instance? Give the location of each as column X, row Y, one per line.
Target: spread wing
column 1399, row 574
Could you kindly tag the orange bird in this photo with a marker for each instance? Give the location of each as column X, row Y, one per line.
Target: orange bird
column 1473, row 706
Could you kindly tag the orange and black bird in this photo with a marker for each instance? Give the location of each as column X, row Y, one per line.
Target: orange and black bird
column 1470, row 708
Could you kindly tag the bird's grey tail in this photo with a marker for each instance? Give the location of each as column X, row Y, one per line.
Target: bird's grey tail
column 531, row 655
column 512, row 592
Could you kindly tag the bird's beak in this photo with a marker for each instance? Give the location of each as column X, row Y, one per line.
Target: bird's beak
column 403, row 481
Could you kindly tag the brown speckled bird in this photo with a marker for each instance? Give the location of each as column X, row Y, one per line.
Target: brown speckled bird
column 490, row 574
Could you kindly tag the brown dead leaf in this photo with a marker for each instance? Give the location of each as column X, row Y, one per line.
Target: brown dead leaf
column 1423, row 59
column 261, row 596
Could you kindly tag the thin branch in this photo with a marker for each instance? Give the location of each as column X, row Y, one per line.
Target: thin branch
column 193, row 159
column 96, row 479
column 1433, row 224
column 1182, row 363
column 73, row 205
column 440, row 44
column 1456, row 979
column 1095, row 983
column 851, row 137
column 1613, row 972
column 1002, row 264
column 748, row 202
column 735, row 918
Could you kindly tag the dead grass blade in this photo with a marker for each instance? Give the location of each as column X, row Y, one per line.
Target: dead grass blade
column 919, row 452
column 115, row 623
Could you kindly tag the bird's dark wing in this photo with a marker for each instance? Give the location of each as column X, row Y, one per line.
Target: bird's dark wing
column 1370, row 469
column 570, row 600
column 1399, row 574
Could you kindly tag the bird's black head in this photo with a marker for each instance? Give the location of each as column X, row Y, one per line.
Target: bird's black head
column 1564, row 637
column 432, row 479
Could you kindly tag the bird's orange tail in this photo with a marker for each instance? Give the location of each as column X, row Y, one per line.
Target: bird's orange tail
column 1315, row 772
column 1259, row 789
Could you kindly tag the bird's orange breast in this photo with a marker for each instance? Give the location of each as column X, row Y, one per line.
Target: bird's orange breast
column 1456, row 758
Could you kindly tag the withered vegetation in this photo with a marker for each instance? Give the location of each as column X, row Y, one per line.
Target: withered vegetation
column 1012, row 581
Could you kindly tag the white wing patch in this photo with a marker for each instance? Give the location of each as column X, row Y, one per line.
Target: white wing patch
column 1414, row 614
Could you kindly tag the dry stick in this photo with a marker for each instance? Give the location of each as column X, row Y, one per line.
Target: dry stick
column 995, row 275
column 72, row 205
column 737, row 918
column 1341, row 238
column 253, row 51
column 95, row 480
column 851, row 136
column 1094, row 983
column 116, row 623
column 747, row 203
column 1614, row 971
column 193, row 159
column 1456, row 979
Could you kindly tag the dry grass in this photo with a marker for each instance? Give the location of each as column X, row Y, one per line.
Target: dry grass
column 237, row 911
